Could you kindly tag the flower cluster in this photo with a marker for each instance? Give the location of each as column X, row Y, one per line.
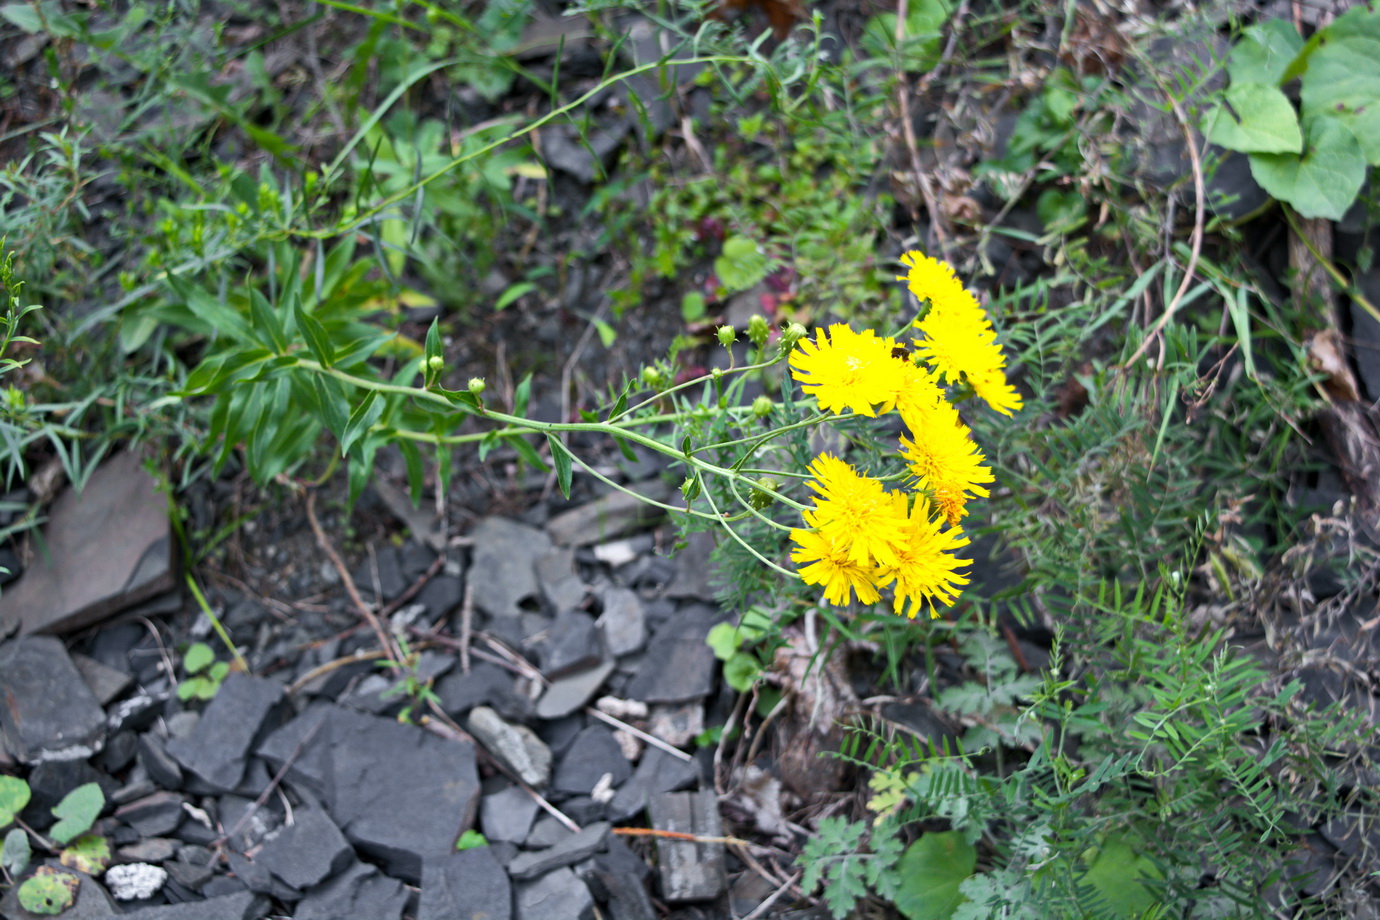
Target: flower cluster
column 861, row 538
column 959, row 341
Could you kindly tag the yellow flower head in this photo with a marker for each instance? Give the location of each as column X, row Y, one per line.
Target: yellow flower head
column 927, row 570
column 844, row 369
column 830, row 565
column 945, row 460
column 854, row 512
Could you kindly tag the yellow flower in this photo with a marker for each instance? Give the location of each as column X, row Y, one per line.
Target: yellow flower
column 831, row 566
column 959, row 341
column 844, row 369
column 855, row 513
column 926, row 571
column 944, row 459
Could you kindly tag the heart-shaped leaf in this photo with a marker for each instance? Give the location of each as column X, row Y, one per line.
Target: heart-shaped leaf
column 1343, row 83
column 1264, row 52
column 89, row 853
column 77, row 811
column 49, row 892
column 14, row 795
column 931, row 870
column 1325, row 180
column 1255, row 118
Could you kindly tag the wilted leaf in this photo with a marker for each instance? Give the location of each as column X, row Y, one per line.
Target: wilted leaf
column 49, row 892
column 89, row 853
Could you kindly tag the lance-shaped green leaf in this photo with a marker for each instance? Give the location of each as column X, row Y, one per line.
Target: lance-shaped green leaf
column 560, row 458
column 364, row 415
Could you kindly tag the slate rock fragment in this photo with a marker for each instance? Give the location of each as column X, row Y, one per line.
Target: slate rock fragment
column 593, row 754
column 485, row 685
column 506, row 816
column 216, row 750
column 557, row 895
column 610, row 516
column 516, row 746
column 259, row 878
column 441, row 595
column 679, row 665
column 158, row 763
column 689, row 871
column 573, row 643
column 397, row 791
column 47, row 712
column 307, row 851
column 154, row 815
column 108, row 547
column 503, row 571
column 559, row 582
column 242, row 906
column 658, row 772
column 566, row 852
column 467, row 884
column 567, row 694
column 106, row 683
column 624, row 621
column 360, row 891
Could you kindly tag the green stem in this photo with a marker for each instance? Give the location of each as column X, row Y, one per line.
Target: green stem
column 216, row 624
column 743, row 543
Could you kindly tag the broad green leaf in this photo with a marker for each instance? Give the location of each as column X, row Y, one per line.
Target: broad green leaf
column 1325, row 180
column 920, row 39
column 364, row 415
column 930, row 872
column 724, row 639
column 560, row 458
column 1255, row 118
column 49, row 892
column 1117, row 874
column 76, row 812
column 1343, row 83
column 1264, row 52
column 14, row 795
column 470, row 840
column 89, row 853
column 1359, row 20
column 740, row 671
column 199, row 656
column 15, row 853
column 741, row 264
column 692, row 307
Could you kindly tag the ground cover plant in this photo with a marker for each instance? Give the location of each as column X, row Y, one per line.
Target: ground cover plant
column 1014, row 355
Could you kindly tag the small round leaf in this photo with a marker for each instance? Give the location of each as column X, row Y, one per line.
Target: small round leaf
column 14, row 795
column 49, row 892
column 77, row 811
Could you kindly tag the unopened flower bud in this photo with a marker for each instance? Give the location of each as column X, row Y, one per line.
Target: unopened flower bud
column 758, row 330
column 436, row 363
column 690, row 488
column 716, row 373
column 477, row 385
column 762, row 406
column 793, row 333
column 727, row 335
column 760, row 497
column 651, row 376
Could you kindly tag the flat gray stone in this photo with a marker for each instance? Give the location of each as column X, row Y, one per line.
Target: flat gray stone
column 575, row 848
column 572, row 644
column 678, row 665
column 560, row 584
column 216, row 750
column 689, row 871
column 468, row 885
column 516, row 746
column 610, row 516
column 658, row 772
column 506, row 816
column 569, row 693
column 557, row 895
column 693, row 569
column 108, row 548
column 307, row 851
column 47, row 712
column 398, row 792
column 503, row 573
column 106, row 683
column 243, row 906
column 361, row 891
column 592, row 754
column 153, row 815
column 624, row 621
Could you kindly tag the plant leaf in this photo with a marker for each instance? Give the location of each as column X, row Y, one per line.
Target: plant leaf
column 560, row 458
column 89, row 853
column 14, row 795
column 15, row 853
column 1116, row 875
column 199, row 655
column 1255, row 118
column 49, row 892
column 317, row 341
column 931, row 870
column 77, row 811
column 1343, row 83
column 1264, row 52
column 364, row 415
column 1325, row 180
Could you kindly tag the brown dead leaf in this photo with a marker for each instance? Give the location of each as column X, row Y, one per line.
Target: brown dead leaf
column 781, row 14
column 1327, row 354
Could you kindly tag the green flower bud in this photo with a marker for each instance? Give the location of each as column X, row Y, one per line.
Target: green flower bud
column 762, row 500
column 477, row 385
column 716, row 373
column 762, row 406
column 793, row 333
column 758, row 330
column 435, row 364
column 690, row 488
column 651, row 376
column 727, row 335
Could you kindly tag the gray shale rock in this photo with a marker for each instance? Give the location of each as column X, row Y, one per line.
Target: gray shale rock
column 506, row 816
column 243, row 906
column 592, row 754
column 398, row 792
column 307, row 851
column 503, row 574
column 516, row 746
column 557, row 895
column 567, row 852
column 610, row 516
column 361, row 892
column 623, row 621
column 567, row 694
column 217, row 749
column 679, row 665
column 47, row 712
column 469, row 884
